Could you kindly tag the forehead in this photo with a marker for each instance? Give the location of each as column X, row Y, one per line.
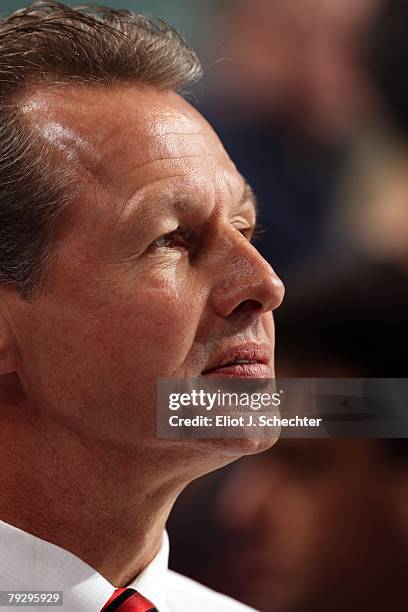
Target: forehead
column 120, row 131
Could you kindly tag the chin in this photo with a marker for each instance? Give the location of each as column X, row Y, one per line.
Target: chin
column 221, row 451
column 243, row 446
column 217, row 453
column 200, row 456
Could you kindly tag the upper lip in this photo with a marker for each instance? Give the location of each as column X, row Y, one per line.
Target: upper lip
column 258, row 353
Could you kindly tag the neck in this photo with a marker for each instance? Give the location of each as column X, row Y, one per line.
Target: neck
column 107, row 507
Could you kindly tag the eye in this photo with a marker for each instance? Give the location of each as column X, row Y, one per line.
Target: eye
column 178, row 239
column 253, row 233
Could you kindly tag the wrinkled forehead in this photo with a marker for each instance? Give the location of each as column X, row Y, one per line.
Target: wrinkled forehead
column 110, row 131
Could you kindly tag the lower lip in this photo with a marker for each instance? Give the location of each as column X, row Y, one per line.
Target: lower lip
column 242, row 370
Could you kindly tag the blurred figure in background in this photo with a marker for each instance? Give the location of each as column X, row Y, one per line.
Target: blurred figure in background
column 288, row 101
column 370, row 221
column 320, row 526
column 299, row 63
column 373, row 207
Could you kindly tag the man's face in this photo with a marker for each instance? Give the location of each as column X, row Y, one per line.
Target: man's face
column 153, row 275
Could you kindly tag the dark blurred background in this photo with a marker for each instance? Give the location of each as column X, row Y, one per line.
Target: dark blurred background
column 310, row 98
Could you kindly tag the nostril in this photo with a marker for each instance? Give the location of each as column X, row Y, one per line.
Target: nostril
column 248, row 307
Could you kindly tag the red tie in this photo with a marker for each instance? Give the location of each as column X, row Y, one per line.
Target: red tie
column 128, row 600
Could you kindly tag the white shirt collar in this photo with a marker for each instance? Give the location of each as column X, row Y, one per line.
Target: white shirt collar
column 30, row 563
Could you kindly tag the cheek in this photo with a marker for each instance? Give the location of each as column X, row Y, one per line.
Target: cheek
column 112, row 341
column 149, row 324
column 157, row 327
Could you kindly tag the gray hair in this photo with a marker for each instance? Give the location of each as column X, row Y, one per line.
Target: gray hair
column 49, row 42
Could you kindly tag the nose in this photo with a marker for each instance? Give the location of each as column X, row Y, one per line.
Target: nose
column 247, row 283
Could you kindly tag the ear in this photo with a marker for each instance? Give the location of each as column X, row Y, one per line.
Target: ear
column 11, row 391
column 8, row 352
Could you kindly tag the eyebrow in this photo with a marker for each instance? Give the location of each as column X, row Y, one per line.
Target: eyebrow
column 179, row 205
column 248, row 195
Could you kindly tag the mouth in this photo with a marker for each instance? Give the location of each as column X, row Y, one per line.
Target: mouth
column 244, row 361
